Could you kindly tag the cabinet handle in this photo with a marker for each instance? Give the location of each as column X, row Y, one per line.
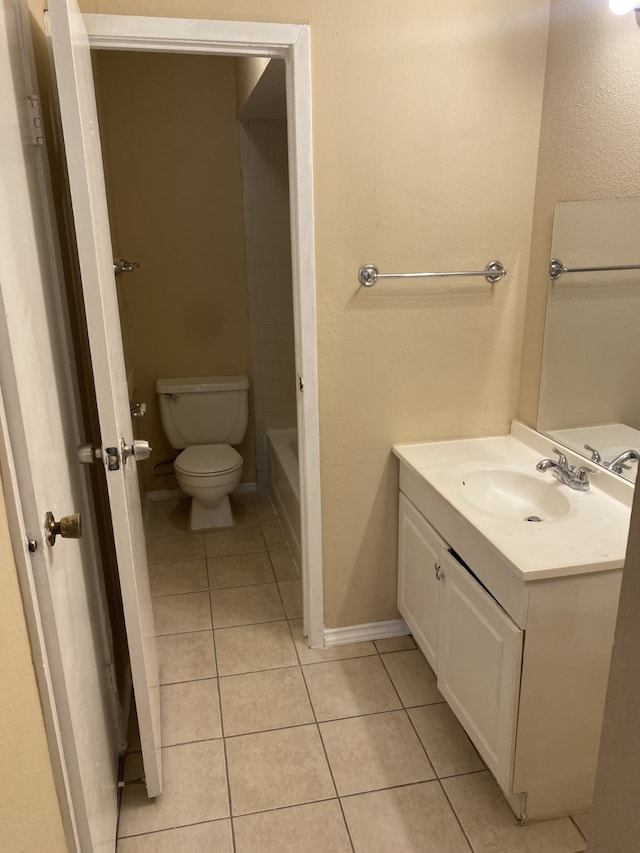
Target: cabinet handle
column 439, row 572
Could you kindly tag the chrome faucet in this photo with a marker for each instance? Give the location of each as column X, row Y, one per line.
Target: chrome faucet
column 574, row 478
column 617, row 465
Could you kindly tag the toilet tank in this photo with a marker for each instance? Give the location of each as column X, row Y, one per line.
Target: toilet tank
column 204, row 409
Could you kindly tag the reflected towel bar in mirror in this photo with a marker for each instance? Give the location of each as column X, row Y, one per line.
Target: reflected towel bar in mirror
column 494, row 271
column 557, row 268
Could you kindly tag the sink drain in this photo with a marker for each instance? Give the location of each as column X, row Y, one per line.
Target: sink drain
column 533, row 518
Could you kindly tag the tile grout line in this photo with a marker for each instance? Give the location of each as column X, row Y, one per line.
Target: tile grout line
column 217, row 675
column 222, row 735
column 437, row 777
column 170, row 829
column 455, row 813
column 324, row 749
column 297, row 666
column 220, row 588
column 408, row 717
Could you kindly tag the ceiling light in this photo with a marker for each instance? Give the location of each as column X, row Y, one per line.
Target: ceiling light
column 621, row 7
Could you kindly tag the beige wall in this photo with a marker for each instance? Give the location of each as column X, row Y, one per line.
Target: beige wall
column 589, row 142
column 29, row 812
column 171, row 143
column 425, row 160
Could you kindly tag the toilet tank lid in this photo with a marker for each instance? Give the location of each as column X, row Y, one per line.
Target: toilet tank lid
column 195, row 384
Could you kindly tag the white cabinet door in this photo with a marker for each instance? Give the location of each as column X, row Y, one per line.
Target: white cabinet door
column 479, row 663
column 419, row 549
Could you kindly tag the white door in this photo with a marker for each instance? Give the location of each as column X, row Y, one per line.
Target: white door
column 39, row 439
column 74, row 79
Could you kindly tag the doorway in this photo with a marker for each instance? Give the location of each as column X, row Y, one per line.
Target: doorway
column 291, row 44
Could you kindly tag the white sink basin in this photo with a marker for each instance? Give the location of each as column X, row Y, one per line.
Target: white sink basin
column 515, row 495
column 480, row 494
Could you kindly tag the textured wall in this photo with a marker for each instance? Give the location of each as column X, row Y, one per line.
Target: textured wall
column 589, row 142
column 425, row 161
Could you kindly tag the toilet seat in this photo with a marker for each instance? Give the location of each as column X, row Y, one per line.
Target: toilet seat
column 206, row 460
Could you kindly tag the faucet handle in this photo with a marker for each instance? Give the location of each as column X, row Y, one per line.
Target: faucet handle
column 582, row 474
column 595, row 455
column 562, row 459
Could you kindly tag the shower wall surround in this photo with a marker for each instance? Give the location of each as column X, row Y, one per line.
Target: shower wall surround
column 266, row 206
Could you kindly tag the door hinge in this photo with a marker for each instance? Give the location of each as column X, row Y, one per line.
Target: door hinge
column 35, row 134
column 300, row 383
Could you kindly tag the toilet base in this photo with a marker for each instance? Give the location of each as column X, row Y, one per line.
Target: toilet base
column 211, row 516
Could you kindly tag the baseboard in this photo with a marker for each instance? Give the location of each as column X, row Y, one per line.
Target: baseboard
column 245, row 487
column 163, row 494
column 366, row 632
column 157, row 495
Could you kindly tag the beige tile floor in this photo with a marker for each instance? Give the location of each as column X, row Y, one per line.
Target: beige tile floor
column 272, row 747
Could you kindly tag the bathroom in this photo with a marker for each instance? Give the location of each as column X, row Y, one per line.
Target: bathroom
column 214, row 295
column 406, row 350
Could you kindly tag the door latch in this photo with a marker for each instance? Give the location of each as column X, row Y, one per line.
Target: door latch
column 87, row 454
column 113, row 458
column 69, row 527
column 140, row 449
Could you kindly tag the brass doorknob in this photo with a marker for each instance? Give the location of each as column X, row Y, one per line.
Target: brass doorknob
column 69, row 527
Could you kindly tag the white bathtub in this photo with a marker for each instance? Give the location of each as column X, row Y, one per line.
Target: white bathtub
column 283, row 479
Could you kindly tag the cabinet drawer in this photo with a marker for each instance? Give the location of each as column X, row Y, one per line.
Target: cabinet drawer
column 419, row 551
column 479, row 666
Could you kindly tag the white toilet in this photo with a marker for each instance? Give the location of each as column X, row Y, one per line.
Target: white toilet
column 206, row 415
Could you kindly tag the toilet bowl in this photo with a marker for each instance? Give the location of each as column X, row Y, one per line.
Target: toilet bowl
column 203, row 416
column 208, row 473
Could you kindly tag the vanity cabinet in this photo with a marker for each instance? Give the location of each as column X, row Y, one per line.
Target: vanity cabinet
column 522, row 664
column 469, row 641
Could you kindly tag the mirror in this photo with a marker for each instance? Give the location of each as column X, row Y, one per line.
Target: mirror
column 590, row 379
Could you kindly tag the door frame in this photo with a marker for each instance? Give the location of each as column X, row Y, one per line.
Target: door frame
column 290, row 42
